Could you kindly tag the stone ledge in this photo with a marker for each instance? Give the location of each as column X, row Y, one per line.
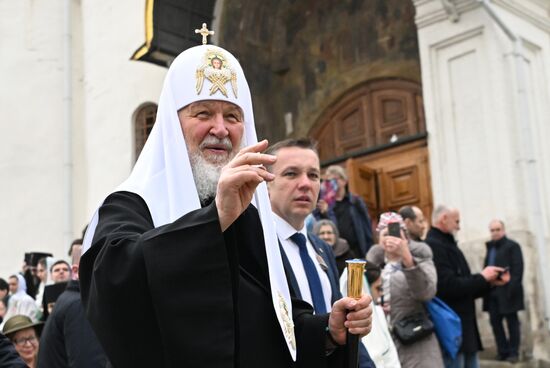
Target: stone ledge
column 522, row 364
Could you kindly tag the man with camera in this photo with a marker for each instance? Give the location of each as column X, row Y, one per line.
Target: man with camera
column 456, row 285
column 505, row 301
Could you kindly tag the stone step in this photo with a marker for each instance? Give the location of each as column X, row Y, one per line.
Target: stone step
column 483, row 363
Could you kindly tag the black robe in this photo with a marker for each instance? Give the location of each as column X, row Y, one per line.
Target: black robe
column 187, row 295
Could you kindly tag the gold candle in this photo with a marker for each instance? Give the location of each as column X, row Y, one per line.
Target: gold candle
column 356, row 268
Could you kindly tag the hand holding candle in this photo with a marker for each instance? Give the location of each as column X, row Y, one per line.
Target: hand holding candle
column 356, row 268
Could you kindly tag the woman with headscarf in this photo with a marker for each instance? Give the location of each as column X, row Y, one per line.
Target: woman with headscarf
column 409, row 279
column 20, row 302
column 327, row 231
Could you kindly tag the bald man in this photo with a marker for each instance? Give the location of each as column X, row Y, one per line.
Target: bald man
column 414, row 221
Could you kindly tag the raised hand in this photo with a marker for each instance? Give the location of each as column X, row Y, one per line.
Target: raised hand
column 491, row 273
column 322, row 206
column 238, row 181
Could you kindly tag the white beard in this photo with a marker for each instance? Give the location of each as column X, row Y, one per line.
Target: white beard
column 207, row 173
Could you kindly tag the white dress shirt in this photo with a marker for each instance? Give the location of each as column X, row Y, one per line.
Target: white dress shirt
column 284, row 232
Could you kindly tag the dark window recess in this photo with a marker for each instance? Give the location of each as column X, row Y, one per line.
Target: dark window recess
column 170, row 28
column 145, row 119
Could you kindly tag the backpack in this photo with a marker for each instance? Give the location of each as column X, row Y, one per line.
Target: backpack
column 447, row 326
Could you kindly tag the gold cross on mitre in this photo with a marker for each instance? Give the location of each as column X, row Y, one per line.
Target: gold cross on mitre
column 204, row 33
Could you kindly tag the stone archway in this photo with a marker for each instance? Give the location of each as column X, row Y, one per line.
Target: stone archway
column 377, row 130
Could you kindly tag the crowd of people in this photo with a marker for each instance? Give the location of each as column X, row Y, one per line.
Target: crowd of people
column 229, row 252
column 43, row 315
column 409, row 268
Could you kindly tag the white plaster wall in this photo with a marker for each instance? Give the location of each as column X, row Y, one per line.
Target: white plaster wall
column 107, row 89
column 469, row 87
column 114, row 87
column 31, row 143
column 468, row 111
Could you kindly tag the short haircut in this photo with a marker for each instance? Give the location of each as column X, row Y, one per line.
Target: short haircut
column 372, row 272
column 319, row 224
column 75, row 242
column 338, row 171
column 305, row 143
column 500, row 222
column 438, row 211
column 407, row 212
column 59, row 262
column 4, row 284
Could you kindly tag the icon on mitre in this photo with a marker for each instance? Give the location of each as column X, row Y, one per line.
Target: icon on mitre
column 217, row 70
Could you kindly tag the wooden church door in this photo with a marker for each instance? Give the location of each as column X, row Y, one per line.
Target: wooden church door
column 377, row 132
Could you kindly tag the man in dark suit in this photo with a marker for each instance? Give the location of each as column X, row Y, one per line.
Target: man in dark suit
column 504, row 302
column 309, row 262
column 456, row 285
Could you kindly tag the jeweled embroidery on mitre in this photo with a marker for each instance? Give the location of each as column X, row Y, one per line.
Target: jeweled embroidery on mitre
column 217, row 70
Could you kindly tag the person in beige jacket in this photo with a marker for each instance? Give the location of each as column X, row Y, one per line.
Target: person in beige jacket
column 409, row 279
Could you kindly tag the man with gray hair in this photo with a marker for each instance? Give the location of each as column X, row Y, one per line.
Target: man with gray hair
column 456, row 285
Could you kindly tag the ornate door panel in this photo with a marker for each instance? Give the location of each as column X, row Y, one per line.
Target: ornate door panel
column 394, row 113
column 350, row 127
column 393, row 178
column 364, row 181
column 369, row 116
column 365, row 119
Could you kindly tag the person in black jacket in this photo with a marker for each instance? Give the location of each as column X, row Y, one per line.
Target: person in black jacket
column 349, row 213
column 68, row 339
column 456, row 285
column 504, row 302
column 9, row 357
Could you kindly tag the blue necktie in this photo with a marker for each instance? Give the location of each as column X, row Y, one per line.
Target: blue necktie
column 312, row 275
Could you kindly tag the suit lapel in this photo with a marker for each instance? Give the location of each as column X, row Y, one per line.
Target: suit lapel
column 290, row 277
column 332, row 274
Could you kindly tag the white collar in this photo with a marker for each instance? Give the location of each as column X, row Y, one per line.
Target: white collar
column 285, row 230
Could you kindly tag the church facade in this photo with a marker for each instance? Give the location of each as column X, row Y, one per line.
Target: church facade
column 425, row 102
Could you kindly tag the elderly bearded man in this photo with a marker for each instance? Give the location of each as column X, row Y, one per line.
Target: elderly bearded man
column 185, row 250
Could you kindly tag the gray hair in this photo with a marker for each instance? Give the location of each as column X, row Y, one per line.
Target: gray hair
column 438, row 212
column 324, row 222
column 337, row 170
column 499, row 221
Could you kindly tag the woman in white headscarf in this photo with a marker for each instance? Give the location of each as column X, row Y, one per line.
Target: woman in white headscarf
column 20, row 302
column 43, row 273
